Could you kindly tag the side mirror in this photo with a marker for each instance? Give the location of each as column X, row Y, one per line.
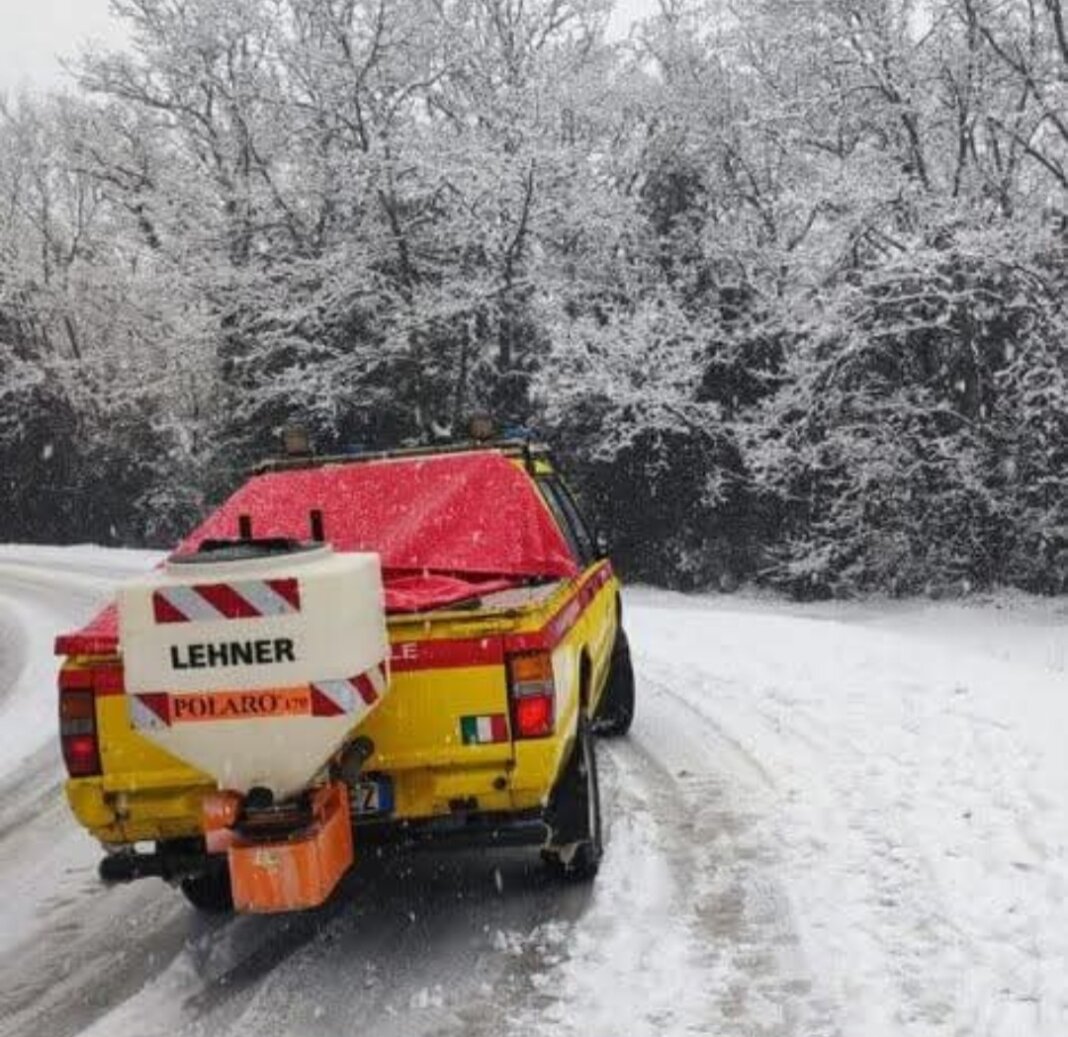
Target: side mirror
column 600, row 544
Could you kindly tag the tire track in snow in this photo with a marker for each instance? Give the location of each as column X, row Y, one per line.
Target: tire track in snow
column 410, row 945
column 853, row 854
column 67, row 945
column 689, row 931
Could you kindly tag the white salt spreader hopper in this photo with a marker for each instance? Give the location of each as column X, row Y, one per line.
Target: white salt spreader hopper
column 254, row 661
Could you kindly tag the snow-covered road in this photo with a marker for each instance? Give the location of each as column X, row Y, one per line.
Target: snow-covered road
column 827, row 821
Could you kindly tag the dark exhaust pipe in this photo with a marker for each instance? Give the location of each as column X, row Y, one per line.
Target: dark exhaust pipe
column 128, row 867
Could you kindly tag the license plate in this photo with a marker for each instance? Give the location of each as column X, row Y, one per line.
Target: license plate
column 372, row 796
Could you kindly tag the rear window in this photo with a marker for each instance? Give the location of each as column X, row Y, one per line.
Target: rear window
column 568, row 518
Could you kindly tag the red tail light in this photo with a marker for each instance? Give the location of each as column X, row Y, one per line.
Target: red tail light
column 533, row 694
column 77, row 717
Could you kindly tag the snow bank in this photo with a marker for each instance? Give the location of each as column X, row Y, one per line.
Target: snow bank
column 44, row 591
column 919, row 775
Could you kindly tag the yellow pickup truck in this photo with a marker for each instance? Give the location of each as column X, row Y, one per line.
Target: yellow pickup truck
column 506, row 655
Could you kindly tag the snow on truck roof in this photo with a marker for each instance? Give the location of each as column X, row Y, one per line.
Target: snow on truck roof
column 447, row 527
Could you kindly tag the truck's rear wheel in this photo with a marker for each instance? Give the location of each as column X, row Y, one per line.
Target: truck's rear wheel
column 615, row 712
column 575, row 810
column 210, row 890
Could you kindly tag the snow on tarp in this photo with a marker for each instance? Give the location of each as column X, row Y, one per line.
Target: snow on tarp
column 472, row 513
column 448, row 528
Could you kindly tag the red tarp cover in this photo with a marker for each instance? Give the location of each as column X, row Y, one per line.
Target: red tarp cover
column 447, row 528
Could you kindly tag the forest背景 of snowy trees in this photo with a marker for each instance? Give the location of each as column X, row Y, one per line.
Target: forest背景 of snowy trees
column 784, row 279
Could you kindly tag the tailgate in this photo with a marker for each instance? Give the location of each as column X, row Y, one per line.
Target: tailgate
column 448, row 705
column 448, row 701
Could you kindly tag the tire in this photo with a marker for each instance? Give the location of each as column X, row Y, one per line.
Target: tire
column 577, row 844
column 615, row 712
column 209, row 891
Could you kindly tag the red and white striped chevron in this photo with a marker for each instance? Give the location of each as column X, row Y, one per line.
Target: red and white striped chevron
column 331, row 698
column 240, row 599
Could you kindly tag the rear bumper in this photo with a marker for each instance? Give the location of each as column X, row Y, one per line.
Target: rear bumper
column 176, row 859
column 132, row 812
column 161, row 815
column 141, row 814
column 459, row 831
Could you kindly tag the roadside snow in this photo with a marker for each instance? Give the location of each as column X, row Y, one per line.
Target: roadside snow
column 44, row 591
column 107, row 564
column 919, row 811
column 28, row 709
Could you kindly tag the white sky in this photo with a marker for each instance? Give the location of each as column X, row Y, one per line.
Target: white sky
column 35, row 33
column 626, row 12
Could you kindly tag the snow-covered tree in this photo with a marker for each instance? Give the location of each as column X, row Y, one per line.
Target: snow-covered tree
column 785, row 278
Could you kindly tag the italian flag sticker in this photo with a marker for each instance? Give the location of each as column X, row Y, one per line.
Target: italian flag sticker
column 482, row 730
